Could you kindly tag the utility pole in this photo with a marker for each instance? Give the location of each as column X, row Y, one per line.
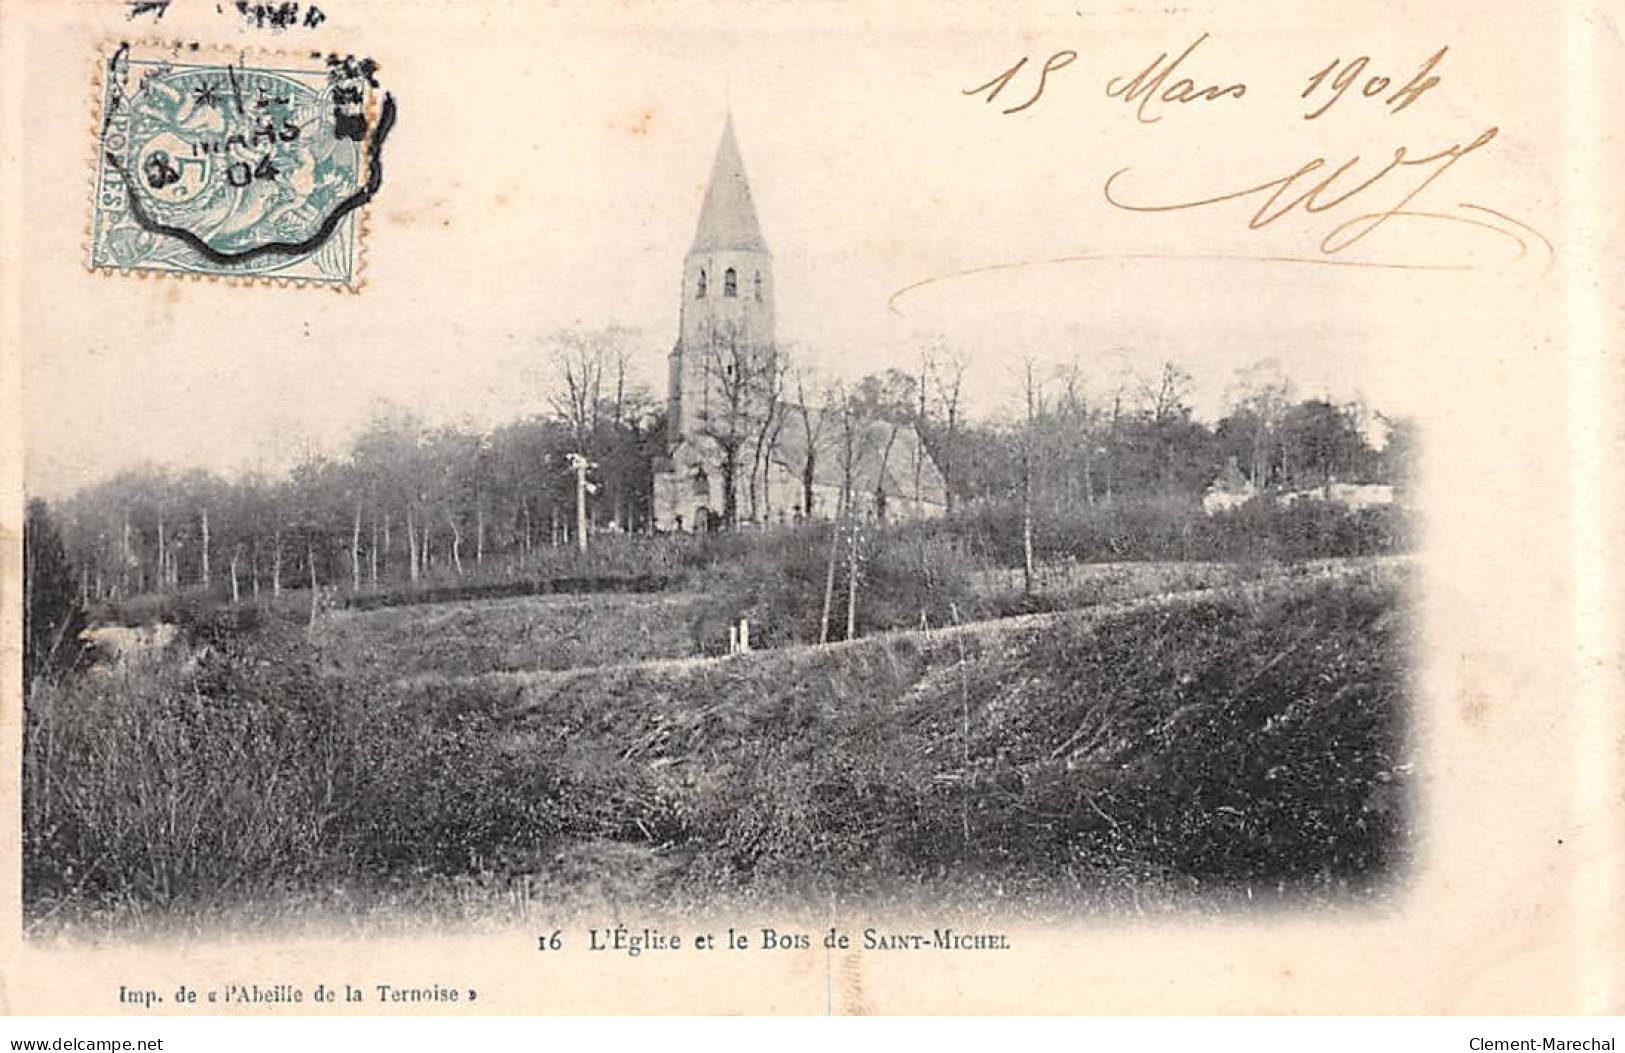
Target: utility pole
column 583, row 488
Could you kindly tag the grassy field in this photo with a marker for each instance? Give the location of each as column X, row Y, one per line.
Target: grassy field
column 530, row 632
column 459, row 761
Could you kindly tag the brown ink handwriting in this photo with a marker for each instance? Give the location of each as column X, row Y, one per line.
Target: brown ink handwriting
column 1057, row 61
column 1146, row 86
column 1321, row 193
column 1374, row 85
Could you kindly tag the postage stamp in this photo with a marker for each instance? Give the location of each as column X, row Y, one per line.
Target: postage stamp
column 233, row 166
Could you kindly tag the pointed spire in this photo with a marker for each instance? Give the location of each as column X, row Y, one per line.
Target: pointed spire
column 728, row 217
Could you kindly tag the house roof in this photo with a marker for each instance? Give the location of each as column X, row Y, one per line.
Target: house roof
column 1230, row 480
column 728, row 216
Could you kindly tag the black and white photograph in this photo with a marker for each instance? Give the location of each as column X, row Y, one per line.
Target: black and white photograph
column 933, row 490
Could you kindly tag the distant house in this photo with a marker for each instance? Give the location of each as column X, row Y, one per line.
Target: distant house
column 1230, row 490
column 1353, row 496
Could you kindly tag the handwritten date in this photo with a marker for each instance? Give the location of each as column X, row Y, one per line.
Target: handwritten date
column 1339, row 81
column 1156, row 84
column 1144, row 90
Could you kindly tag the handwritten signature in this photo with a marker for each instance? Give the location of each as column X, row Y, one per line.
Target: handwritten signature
column 1306, row 188
column 1296, row 191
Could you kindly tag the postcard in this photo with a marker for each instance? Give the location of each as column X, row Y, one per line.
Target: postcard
column 810, row 508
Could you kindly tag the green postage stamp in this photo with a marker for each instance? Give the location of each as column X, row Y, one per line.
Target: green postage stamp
column 234, row 167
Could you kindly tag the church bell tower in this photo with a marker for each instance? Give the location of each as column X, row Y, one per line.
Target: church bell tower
column 727, row 292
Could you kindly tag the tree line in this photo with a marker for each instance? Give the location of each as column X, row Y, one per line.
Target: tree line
column 408, row 501
column 1073, row 444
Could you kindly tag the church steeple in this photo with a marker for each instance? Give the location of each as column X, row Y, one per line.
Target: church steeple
column 727, row 291
column 728, row 216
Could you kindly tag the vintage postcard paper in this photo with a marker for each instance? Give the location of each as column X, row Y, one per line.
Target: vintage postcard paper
column 810, row 508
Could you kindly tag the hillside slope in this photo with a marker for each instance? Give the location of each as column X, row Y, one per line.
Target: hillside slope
column 1245, row 743
column 1242, row 740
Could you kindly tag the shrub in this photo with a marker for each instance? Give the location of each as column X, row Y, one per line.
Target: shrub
column 777, row 580
column 1177, row 529
column 1237, row 741
column 244, row 769
column 52, row 618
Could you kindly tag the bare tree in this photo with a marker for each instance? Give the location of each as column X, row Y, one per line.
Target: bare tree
column 620, row 357
column 1077, row 426
column 948, row 376
column 1111, row 442
column 838, row 401
column 771, row 420
column 1028, row 438
column 276, row 560
column 1164, row 403
column 203, row 576
column 581, row 363
column 1262, row 390
column 578, row 361
column 923, row 391
column 880, row 473
column 852, row 578
column 736, row 374
column 355, row 550
column 1165, row 396
column 812, row 425
column 163, row 553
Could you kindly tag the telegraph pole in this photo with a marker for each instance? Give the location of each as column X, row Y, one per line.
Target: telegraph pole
column 581, row 466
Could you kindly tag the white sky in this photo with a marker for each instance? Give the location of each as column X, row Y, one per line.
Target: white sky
column 549, row 179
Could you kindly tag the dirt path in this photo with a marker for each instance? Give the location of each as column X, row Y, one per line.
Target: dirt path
column 1294, row 576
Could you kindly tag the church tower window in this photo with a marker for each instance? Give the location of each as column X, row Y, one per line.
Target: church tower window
column 758, row 286
column 699, row 288
column 730, row 283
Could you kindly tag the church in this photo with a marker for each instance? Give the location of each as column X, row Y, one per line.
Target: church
column 739, row 450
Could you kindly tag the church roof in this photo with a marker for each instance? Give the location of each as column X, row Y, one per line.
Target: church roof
column 728, row 217
column 884, row 455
